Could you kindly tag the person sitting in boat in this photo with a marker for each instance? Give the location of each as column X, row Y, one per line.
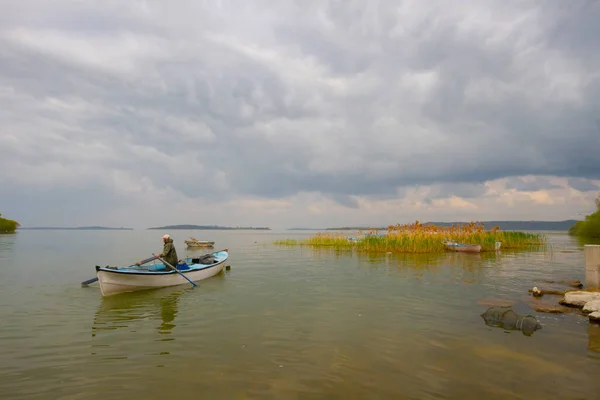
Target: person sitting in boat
column 169, row 254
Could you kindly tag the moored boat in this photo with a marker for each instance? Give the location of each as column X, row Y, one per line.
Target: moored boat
column 193, row 242
column 465, row 248
column 114, row 280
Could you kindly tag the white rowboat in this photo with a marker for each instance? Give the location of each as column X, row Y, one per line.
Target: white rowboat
column 130, row 279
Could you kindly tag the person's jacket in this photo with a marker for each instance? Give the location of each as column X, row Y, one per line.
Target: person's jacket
column 169, row 254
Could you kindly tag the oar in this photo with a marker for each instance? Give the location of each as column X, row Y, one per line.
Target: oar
column 85, row 283
column 176, row 270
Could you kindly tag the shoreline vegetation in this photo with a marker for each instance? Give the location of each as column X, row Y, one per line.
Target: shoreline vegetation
column 8, row 225
column 590, row 227
column 420, row 238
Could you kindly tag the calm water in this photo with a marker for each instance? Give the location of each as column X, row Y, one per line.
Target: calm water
column 284, row 323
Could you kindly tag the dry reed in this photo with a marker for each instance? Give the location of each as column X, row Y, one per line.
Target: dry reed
column 419, row 238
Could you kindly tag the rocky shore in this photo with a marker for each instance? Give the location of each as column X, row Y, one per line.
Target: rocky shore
column 588, row 302
column 573, row 298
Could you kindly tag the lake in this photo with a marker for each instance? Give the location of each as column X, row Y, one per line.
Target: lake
column 285, row 323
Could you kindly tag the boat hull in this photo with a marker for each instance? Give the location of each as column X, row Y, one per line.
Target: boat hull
column 115, row 281
column 464, row 248
column 190, row 243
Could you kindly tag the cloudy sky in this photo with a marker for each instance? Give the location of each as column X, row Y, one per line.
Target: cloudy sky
column 298, row 113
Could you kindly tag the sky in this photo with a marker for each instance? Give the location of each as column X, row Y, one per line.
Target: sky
column 298, row 113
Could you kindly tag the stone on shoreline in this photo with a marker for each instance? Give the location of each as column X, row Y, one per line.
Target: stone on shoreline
column 591, row 306
column 578, row 298
column 595, row 316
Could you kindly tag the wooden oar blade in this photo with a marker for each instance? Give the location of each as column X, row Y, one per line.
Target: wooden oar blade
column 86, row 283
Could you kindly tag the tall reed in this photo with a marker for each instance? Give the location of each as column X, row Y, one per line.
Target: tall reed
column 418, row 238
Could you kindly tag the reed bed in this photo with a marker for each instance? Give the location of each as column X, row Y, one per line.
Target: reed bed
column 418, row 238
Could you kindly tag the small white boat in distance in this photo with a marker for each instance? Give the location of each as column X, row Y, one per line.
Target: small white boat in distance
column 193, row 242
column 465, row 248
column 130, row 279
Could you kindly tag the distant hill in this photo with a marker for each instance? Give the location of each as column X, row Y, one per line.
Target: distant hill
column 211, row 227
column 78, row 228
column 306, row 229
column 504, row 225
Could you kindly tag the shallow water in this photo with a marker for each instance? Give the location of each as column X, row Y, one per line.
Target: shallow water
column 285, row 323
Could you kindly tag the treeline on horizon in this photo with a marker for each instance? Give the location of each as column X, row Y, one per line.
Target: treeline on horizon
column 590, row 227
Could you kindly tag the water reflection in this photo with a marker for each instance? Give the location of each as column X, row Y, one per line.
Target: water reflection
column 583, row 241
column 7, row 241
column 466, row 267
column 594, row 338
column 425, row 261
column 122, row 311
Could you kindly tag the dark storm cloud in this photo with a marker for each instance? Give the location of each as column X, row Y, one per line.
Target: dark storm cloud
column 583, row 185
column 351, row 98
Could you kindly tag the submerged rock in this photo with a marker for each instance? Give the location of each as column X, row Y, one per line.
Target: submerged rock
column 578, row 298
column 540, row 292
column 496, row 302
column 549, row 309
column 573, row 283
column 546, row 306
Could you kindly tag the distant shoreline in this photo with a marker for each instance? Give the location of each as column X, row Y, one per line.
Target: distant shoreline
column 76, row 228
column 211, row 227
column 504, row 225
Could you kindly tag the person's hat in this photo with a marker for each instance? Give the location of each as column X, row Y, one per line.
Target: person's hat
column 166, row 236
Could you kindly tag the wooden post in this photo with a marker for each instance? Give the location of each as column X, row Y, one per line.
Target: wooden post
column 592, row 266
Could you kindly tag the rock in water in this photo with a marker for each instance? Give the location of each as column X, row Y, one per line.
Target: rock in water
column 548, row 309
column 578, row 298
column 591, row 306
column 574, row 283
column 595, row 316
column 491, row 302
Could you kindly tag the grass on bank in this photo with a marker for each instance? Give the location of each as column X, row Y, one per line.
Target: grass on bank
column 8, row 225
column 418, row 238
column 590, row 227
